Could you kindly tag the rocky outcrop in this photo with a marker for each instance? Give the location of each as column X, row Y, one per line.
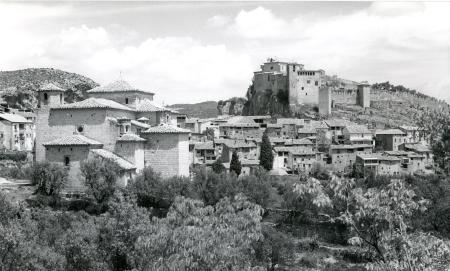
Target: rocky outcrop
column 17, row 88
column 266, row 103
column 233, row 106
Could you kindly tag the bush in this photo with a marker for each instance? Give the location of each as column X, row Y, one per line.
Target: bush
column 319, row 171
column 48, row 177
column 15, row 156
column 100, row 177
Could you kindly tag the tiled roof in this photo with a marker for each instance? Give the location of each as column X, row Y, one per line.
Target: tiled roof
column 233, row 144
column 274, row 125
column 166, row 129
column 251, row 125
column 143, row 119
column 150, row 106
column 94, row 103
column 409, row 128
column 117, row 86
column 378, row 156
column 337, row 122
column 390, row 132
column 204, row 145
column 140, row 124
column 124, row 164
column 276, row 140
column 50, row 87
column 353, row 146
column 72, row 140
column 357, row 129
column 301, row 141
column 240, row 119
column 14, row 118
column 284, row 121
column 307, row 130
column 301, row 151
column 417, row 147
column 131, row 138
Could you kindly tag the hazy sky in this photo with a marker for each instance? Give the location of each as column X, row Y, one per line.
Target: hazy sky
column 197, row 51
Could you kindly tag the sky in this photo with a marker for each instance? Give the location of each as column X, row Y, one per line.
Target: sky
column 190, row 52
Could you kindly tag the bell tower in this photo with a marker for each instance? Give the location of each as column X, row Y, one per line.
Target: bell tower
column 50, row 95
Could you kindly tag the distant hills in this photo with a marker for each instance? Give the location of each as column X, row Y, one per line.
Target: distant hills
column 17, row 88
column 198, row 110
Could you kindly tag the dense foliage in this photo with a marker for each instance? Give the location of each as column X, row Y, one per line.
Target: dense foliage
column 49, row 178
column 235, row 164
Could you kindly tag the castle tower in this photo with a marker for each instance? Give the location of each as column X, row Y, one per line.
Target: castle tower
column 49, row 96
column 363, row 95
column 324, row 100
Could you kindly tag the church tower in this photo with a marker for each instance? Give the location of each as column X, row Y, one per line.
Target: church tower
column 49, row 96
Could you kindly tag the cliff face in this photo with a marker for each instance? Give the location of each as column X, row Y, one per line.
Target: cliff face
column 233, row 106
column 263, row 103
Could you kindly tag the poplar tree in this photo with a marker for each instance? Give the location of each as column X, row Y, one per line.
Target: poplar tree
column 235, row 164
column 266, row 155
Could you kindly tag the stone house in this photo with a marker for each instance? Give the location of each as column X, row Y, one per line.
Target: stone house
column 245, row 150
column 343, row 156
column 16, row 132
column 301, row 160
column 420, row 149
column 410, row 162
column 414, row 134
column 389, row 140
column 290, row 126
column 111, row 128
column 204, row 153
column 240, row 130
column 378, row 164
column 357, row 134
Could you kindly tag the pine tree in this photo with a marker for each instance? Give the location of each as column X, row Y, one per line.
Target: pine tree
column 266, row 155
column 235, row 164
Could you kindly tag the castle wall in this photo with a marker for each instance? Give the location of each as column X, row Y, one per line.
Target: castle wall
column 324, row 101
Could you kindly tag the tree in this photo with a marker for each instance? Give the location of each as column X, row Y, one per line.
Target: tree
column 177, row 242
column 441, row 151
column 100, row 177
column 235, row 164
column 380, row 220
column 49, row 178
column 210, row 133
column 218, row 166
column 266, row 155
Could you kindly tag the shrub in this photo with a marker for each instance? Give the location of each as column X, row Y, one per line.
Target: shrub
column 13, row 155
column 100, row 177
column 48, row 177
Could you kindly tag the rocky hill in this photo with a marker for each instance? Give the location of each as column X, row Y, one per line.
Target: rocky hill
column 17, row 88
column 233, row 106
column 198, row 110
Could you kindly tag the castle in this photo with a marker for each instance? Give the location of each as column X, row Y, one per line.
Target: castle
column 116, row 121
column 302, row 85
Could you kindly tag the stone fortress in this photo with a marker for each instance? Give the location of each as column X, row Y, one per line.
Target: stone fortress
column 309, row 87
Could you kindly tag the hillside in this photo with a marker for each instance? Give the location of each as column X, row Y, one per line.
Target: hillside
column 198, row 110
column 17, row 88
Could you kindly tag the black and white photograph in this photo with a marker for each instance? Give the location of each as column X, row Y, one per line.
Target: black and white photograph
column 224, row 135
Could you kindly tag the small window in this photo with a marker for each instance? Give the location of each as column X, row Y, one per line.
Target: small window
column 45, row 96
column 67, row 161
column 126, row 100
column 308, row 81
column 80, row 129
column 60, row 98
column 316, row 83
column 303, row 88
column 268, row 77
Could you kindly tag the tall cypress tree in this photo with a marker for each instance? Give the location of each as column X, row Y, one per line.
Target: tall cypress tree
column 266, row 155
column 235, row 164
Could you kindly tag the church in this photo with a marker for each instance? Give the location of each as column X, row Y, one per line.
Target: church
column 117, row 121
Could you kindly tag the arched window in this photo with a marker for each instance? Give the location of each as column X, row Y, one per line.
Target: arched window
column 126, row 100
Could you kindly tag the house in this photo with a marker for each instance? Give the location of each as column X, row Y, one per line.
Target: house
column 410, row 162
column 245, row 150
column 343, row 156
column 378, row 164
column 290, row 126
column 117, row 121
column 204, row 153
column 16, row 132
column 421, row 149
column 414, row 134
column 389, row 140
column 357, row 134
column 274, row 130
column 301, row 159
column 336, row 127
column 240, row 130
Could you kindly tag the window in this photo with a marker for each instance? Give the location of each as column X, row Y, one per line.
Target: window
column 268, row 77
column 293, row 68
column 308, row 81
column 45, row 96
column 80, row 128
column 67, row 161
column 303, row 88
column 316, row 83
column 126, row 100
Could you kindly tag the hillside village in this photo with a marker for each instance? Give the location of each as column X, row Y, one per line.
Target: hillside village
column 123, row 123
